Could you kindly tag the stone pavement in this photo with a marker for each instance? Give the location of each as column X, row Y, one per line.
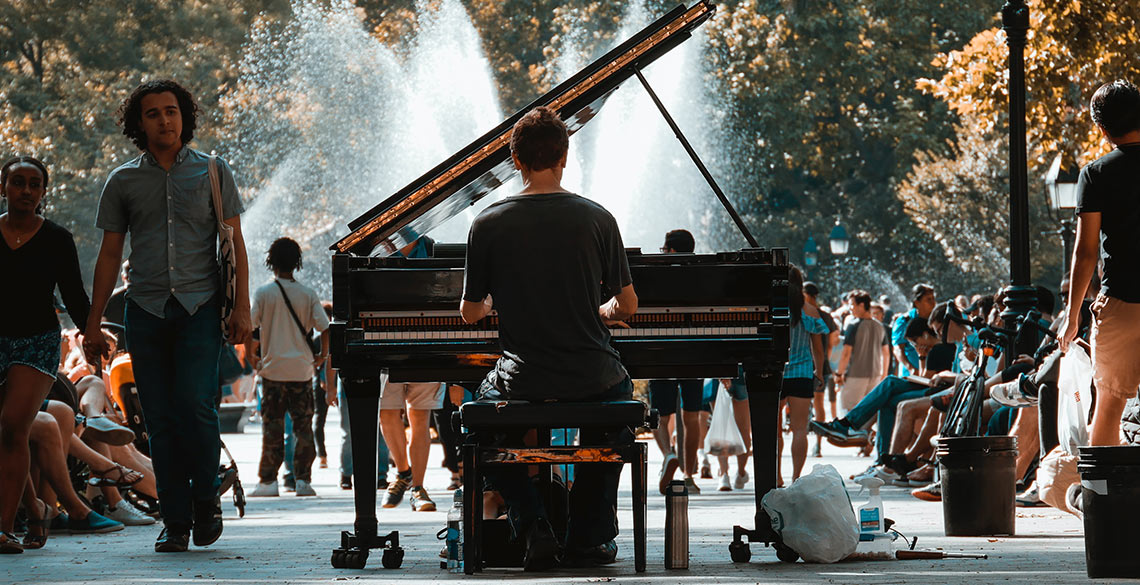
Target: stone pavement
column 287, row 540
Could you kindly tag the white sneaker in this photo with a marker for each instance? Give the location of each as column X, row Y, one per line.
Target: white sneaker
column 265, row 490
column 691, row 487
column 741, row 479
column 305, row 488
column 128, row 515
column 724, row 484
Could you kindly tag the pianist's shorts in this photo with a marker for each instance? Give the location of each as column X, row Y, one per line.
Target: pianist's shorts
column 414, row 396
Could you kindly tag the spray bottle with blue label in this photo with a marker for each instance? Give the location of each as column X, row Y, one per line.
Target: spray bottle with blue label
column 871, row 514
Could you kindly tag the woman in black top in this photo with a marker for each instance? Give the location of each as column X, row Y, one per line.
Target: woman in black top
column 35, row 256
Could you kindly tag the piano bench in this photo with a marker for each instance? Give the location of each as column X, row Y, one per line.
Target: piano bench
column 520, row 414
column 485, row 419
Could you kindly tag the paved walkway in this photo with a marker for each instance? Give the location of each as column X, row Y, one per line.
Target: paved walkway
column 287, row 540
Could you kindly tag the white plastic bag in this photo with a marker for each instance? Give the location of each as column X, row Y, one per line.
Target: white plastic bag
column 814, row 516
column 723, row 438
column 1074, row 387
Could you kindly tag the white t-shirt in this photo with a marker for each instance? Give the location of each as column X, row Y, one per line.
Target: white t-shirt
column 285, row 354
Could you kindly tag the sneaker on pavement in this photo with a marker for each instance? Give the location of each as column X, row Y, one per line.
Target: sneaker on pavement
column 128, row 515
column 324, row 463
column 741, row 479
column 346, row 482
column 838, row 433
column 930, row 493
column 541, row 547
column 94, row 523
column 724, row 484
column 691, row 487
column 265, row 490
column 289, row 482
column 420, row 500
column 668, row 470
column 706, row 468
column 815, row 451
column 305, row 488
column 395, row 493
column 1030, row 498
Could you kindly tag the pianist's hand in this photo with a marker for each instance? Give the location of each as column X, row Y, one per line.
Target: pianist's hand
column 614, row 324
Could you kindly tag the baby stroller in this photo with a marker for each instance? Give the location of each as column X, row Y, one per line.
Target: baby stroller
column 125, row 396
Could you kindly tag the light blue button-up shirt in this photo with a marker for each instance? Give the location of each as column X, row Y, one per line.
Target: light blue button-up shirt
column 173, row 232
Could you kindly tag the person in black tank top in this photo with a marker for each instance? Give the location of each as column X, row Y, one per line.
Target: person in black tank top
column 36, row 255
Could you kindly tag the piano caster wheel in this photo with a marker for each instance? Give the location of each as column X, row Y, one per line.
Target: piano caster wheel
column 739, row 551
column 355, row 559
column 338, row 559
column 392, row 558
column 786, row 554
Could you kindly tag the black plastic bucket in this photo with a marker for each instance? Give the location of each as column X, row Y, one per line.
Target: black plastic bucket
column 1110, row 500
column 979, row 485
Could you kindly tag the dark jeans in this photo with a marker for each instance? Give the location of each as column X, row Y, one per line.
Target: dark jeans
column 593, row 499
column 884, row 400
column 320, row 415
column 175, row 361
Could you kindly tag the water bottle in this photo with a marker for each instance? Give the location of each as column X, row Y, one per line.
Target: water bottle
column 455, row 534
column 676, row 526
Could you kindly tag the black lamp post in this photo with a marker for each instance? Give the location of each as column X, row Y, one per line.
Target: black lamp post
column 811, row 256
column 1061, row 187
column 1020, row 296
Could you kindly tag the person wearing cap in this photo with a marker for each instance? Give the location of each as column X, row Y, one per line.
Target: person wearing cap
column 922, row 303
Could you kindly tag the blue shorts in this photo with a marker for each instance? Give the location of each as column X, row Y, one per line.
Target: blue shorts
column 40, row 352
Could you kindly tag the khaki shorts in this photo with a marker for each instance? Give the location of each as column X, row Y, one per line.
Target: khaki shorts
column 852, row 391
column 413, row 395
column 1116, row 346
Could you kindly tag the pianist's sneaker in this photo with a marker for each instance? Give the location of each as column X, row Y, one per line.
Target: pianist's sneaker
column 421, row 502
column 396, row 490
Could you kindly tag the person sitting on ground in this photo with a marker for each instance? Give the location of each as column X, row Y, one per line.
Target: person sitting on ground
column 550, row 258
column 286, row 310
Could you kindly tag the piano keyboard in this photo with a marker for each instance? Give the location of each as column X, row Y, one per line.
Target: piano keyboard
column 649, row 322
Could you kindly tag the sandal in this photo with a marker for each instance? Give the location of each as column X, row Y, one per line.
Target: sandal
column 38, row 528
column 9, row 545
column 125, row 477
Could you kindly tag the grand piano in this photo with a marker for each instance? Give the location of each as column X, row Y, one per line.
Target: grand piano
column 700, row 315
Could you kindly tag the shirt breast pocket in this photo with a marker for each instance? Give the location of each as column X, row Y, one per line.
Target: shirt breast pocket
column 195, row 204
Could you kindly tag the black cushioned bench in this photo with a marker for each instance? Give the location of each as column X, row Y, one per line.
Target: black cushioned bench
column 485, row 418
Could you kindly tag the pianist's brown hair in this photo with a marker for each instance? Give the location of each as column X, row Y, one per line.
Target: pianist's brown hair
column 539, row 139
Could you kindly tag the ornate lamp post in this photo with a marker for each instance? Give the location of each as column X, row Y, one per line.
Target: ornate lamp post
column 1061, row 186
column 1021, row 297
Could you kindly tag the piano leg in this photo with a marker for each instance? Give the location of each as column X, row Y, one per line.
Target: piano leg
column 763, row 406
column 362, row 395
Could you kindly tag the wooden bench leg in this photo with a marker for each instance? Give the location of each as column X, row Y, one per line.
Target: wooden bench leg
column 638, row 473
column 473, row 506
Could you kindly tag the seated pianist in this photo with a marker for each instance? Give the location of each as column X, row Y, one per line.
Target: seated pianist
column 541, row 256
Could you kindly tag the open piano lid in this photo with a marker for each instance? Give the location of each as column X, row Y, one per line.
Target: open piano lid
column 485, row 164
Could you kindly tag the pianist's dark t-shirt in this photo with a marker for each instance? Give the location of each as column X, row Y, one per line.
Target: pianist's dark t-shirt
column 548, row 261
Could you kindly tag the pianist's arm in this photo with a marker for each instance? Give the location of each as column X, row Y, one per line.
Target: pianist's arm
column 473, row 312
column 622, row 306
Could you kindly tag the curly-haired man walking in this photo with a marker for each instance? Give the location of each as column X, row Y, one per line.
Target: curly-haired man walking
column 163, row 199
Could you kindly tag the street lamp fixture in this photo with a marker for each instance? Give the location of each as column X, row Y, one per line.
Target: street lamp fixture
column 1061, row 185
column 838, row 240
column 811, row 253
